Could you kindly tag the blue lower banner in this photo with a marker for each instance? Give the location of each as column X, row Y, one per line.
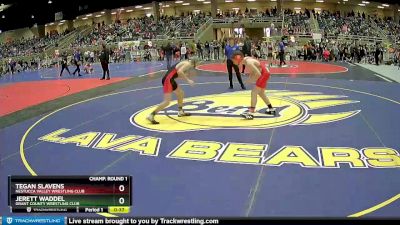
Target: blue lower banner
column 54, row 220
column 33, row 220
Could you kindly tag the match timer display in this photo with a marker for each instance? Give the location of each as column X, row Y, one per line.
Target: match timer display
column 75, row 194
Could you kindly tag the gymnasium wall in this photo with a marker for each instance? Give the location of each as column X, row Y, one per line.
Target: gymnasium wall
column 177, row 10
column 254, row 33
column 26, row 33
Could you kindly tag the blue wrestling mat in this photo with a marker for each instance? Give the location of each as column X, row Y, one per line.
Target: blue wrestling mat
column 331, row 151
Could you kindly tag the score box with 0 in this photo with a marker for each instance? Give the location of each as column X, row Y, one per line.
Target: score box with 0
column 69, row 191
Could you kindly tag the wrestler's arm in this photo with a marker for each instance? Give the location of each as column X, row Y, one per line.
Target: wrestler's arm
column 182, row 73
column 254, row 72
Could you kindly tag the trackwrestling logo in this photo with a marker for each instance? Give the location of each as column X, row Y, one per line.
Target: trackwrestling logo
column 222, row 111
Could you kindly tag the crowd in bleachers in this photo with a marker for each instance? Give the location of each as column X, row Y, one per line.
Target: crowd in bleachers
column 186, row 25
column 359, row 24
column 189, row 25
column 27, row 47
column 297, row 23
column 142, row 29
column 351, row 52
column 15, row 66
column 350, row 24
column 240, row 14
column 10, row 51
column 132, row 29
column 392, row 29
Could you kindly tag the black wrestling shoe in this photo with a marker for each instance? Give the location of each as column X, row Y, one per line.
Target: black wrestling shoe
column 151, row 119
column 270, row 111
column 243, row 87
column 247, row 116
column 182, row 114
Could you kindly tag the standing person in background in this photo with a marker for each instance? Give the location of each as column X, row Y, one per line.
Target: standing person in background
column 38, row 63
column 246, row 50
column 377, row 53
column 199, row 50
column 176, row 52
column 91, row 57
column 161, row 53
column 212, row 57
column 64, row 64
column 282, row 53
column 229, row 50
column 86, row 56
column 88, row 68
column 193, row 49
column 336, row 52
column 77, row 59
column 224, row 42
column 183, row 52
column 104, row 60
column 10, row 66
column 207, row 48
column 341, row 53
column 264, row 50
column 217, row 47
column 168, row 54
column 362, row 54
column 381, row 49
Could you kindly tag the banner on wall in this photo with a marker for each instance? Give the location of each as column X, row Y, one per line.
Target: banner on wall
column 128, row 44
column 118, row 15
column 317, row 37
column 9, row 39
column 58, row 16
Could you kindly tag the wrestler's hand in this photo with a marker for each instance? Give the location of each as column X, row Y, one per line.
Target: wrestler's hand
column 191, row 83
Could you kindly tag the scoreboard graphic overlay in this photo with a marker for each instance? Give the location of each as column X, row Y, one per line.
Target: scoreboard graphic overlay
column 75, row 194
